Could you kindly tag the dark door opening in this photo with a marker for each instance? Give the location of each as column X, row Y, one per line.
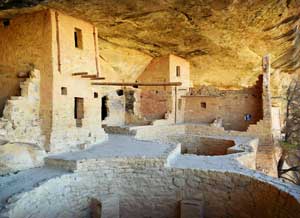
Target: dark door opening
column 79, row 111
column 104, row 109
column 129, row 102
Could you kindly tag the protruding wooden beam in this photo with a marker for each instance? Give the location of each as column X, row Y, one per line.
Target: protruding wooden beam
column 89, row 76
column 136, row 84
column 79, row 73
column 98, row 78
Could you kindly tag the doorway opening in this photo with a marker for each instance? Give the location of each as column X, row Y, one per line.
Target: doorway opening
column 79, row 111
column 129, row 102
column 104, row 108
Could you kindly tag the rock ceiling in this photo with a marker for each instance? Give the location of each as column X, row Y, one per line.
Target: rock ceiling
column 223, row 39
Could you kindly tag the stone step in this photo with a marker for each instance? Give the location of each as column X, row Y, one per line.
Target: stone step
column 60, row 163
column 120, row 130
column 14, row 98
column 24, row 83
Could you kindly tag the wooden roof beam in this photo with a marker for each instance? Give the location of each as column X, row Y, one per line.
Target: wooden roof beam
column 79, row 73
column 136, row 84
column 98, row 78
column 89, row 76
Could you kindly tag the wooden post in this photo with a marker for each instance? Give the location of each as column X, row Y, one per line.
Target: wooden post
column 266, row 87
column 136, row 84
column 57, row 42
column 266, row 101
column 96, row 51
column 175, row 104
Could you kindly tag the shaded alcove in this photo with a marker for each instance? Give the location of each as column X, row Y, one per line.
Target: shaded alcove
column 104, row 108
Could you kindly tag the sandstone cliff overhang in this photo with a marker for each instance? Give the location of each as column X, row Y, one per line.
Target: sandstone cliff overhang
column 221, row 39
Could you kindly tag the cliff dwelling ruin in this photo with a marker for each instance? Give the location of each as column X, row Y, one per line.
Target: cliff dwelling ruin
column 149, row 109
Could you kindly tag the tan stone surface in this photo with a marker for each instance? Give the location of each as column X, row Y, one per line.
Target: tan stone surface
column 222, row 39
column 74, row 60
column 21, row 118
column 120, row 63
column 17, row 156
column 26, row 45
column 52, row 50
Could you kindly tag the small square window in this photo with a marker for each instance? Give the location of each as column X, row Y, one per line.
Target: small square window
column 247, row 117
column 64, row 91
column 78, row 38
column 6, row 22
column 95, row 94
column 203, row 105
column 120, row 92
column 178, row 71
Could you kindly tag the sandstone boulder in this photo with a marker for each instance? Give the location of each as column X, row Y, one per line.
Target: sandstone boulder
column 18, row 156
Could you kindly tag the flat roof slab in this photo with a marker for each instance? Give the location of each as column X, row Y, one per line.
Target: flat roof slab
column 119, row 146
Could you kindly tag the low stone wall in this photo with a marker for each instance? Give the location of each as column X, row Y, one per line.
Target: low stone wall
column 157, row 132
column 142, row 188
column 163, row 131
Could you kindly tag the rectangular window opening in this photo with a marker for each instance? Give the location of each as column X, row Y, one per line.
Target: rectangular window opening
column 179, row 104
column 78, row 38
column 79, row 111
column 6, row 22
column 178, row 71
column 95, row 94
column 64, row 91
column 203, row 105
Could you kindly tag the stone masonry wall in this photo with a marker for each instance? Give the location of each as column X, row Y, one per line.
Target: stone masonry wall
column 159, row 102
column 145, row 188
column 21, row 120
column 76, row 137
column 161, row 133
column 69, row 59
column 25, row 44
column 206, row 104
column 116, row 107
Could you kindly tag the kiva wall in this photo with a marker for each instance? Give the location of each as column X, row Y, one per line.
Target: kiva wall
column 145, row 188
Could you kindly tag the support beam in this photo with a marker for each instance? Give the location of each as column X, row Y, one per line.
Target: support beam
column 79, row 73
column 136, row 84
column 89, row 76
column 98, row 78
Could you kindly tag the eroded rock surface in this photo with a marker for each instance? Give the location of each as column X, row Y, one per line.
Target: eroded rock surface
column 221, row 39
column 19, row 156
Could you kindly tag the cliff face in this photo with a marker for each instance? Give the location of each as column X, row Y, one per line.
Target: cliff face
column 223, row 40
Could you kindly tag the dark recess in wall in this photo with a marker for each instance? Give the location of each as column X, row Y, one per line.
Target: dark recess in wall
column 8, row 4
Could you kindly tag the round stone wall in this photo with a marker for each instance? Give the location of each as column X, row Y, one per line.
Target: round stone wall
column 139, row 188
